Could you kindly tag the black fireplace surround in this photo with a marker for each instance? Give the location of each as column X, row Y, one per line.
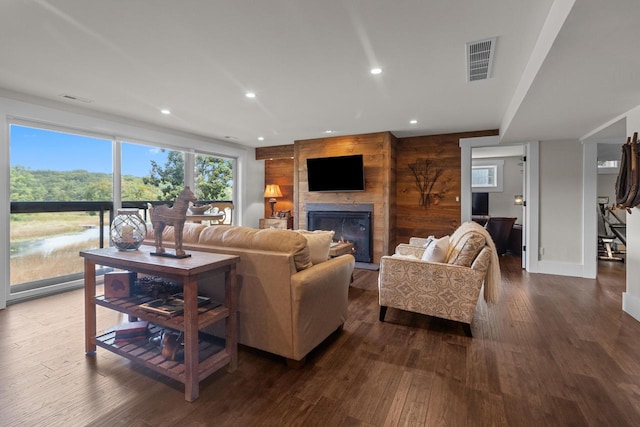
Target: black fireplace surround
column 350, row 226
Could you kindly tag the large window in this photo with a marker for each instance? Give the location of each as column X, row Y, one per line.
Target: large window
column 54, row 168
column 151, row 173
column 213, row 178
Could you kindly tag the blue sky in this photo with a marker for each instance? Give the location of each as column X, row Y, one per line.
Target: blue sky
column 38, row 149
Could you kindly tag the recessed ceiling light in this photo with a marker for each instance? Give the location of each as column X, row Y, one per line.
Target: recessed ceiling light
column 328, row 131
column 261, row 138
column 165, row 111
column 250, row 95
column 376, row 70
column 413, row 122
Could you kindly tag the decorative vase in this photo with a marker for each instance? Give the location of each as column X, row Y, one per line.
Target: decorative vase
column 128, row 230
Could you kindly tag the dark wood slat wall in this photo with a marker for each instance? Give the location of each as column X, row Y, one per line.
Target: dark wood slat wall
column 376, row 149
column 274, row 152
column 390, row 185
column 280, row 171
column 442, row 217
column 392, row 190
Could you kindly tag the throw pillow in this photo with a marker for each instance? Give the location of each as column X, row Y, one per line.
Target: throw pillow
column 436, row 249
column 466, row 250
column 319, row 243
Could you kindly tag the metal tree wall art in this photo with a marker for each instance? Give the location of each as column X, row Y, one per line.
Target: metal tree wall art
column 426, row 174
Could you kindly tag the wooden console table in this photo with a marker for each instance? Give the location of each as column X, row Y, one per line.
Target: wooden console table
column 199, row 361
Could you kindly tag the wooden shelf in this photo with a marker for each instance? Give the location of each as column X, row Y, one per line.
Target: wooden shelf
column 211, row 354
column 201, row 358
column 207, row 314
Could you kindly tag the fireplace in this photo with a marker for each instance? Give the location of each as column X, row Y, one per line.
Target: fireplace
column 351, row 226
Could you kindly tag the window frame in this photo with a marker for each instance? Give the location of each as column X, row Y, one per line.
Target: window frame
column 498, row 166
column 46, row 286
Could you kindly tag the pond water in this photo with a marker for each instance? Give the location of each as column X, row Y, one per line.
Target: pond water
column 50, row 244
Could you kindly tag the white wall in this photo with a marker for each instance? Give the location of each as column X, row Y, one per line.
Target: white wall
column 249, row 186
column 561, row 207
column 631, row 298
column 501, row 203
column 606, row 186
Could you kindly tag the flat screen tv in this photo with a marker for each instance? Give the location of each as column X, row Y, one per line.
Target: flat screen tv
column 341, row 173
column 480, row 204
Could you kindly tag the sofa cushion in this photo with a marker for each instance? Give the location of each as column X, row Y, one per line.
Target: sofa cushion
column 191, row 232
column 244, row 237
column 319, row 242
column 240, row 237
column 466, row 249
column 436, row 249
column 272, row 239
column 213, row 235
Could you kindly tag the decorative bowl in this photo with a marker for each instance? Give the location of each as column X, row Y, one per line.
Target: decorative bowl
column 199, row 209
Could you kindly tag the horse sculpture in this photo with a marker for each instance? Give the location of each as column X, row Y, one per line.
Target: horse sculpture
column 163, row 215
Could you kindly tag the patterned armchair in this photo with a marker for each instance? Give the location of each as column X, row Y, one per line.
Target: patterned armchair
column 448, row 289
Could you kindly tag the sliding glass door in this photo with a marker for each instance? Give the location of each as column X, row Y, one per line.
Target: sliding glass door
column 54, row 176
column 62, row 195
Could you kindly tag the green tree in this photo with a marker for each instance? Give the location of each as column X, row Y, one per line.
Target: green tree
column 214, row 178
column 25, row 187
column 213, row 175
column 134, row 188
column 168, row 179
column 99, row 190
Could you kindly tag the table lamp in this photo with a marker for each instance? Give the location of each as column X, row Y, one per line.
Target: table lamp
column 272, row 191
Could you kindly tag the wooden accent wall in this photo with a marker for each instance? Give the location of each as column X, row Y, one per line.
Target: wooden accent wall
column 378, row 150
column 443, row 216
column 274, row 152
column 278, row 169
column 390, row 185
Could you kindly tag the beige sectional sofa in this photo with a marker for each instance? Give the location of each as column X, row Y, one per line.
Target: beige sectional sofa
column 287, row 304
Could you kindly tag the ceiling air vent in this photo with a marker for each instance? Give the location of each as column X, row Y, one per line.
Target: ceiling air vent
column 480, row 59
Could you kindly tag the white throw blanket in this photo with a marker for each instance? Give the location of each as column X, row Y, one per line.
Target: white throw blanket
column 493, row 277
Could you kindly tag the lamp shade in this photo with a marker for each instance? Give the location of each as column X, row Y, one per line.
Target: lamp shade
column 272, row 190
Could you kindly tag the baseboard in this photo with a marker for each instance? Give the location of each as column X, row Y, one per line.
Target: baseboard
column 631, row 305
column 561, row 268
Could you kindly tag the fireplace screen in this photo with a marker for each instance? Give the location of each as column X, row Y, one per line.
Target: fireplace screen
column 352, row 227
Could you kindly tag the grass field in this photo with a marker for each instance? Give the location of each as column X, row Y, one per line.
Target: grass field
column 40, row 225
column 36, row 266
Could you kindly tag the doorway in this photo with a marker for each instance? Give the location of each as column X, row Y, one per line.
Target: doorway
column 612, row 222
column 525, row 158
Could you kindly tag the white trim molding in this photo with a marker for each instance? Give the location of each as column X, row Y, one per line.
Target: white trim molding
column 631, row 305
column 560, row 268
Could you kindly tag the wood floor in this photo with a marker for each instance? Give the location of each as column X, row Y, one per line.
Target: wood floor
column 555, row 351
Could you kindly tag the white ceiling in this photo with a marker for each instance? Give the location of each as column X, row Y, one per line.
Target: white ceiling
column 560, row 70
